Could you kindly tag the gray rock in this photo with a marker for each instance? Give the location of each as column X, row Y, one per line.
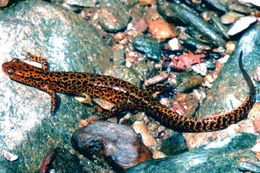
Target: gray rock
column 148, row 45
column 114, row 18
column 69, row 44
column 230, row 85
column 215, row 157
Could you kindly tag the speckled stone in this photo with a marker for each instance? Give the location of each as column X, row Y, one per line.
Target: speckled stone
column 69, row 44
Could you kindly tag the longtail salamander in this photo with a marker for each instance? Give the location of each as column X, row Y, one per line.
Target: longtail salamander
column 123, row 94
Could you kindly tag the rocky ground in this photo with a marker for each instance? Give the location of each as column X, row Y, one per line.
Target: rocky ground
column 192, row 46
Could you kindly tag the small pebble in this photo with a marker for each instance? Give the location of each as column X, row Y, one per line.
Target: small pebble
column 256, row 149
column 158, row 155
column 103, row 103
column 230, row 47
column 147, row 138
column 230, row 17
column 8, row 155
column 86, row 99
column 139, row 25
column 147, row 2
column 188, row 101
column 156, row 79
column 162, row 30
column 119, row 36
column 256, row 74
column 201, row 68
column 224, row 59
column 174, row 44
column 3, row 3
column 241, row 24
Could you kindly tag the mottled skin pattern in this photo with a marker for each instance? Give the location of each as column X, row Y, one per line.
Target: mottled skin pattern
column 123, row 94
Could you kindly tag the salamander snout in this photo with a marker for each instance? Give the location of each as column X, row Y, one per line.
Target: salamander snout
column 7, row 67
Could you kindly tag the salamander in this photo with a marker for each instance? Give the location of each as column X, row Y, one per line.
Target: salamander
column 123, row 94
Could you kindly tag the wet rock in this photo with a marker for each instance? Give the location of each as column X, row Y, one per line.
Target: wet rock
column 124, row 73
column 112, row 141
column 69, row 44
column 114, row 18
column 190, row 18
column 230, row 88
column 224, row 5
column 220, row 156
column 149, row 46
column 175, row 144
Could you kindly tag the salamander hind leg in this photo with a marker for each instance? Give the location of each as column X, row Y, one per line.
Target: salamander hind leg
column 40, row 60
column 117, row 109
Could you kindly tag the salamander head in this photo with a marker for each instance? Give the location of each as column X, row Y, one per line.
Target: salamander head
column 18, row 70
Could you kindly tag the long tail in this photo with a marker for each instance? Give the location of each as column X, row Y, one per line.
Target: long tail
column 186, row 124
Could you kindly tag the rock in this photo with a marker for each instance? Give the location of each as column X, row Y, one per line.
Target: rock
column 230, row 88
column 114, row 18
column 115, row 142
column 249, row 166
column 253, row 2
column 4, row 3
column 192, row 19
column 189, row 101
column 241, row 24
column 230, row 17
column 69, row 44
column 188, row 80
column 149, row 46
column 60, row 160
column 175, row 144
column 162, row 30
column 81, row 3
column 140, row 128
column 220, row 156
column 124, row 73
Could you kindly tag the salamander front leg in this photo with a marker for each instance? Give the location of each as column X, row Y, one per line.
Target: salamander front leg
column 54, row 100
column 117, row 109
column 40, row 60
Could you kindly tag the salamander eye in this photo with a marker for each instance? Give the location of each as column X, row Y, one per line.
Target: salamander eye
column 10, row 71
column 15, row 60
